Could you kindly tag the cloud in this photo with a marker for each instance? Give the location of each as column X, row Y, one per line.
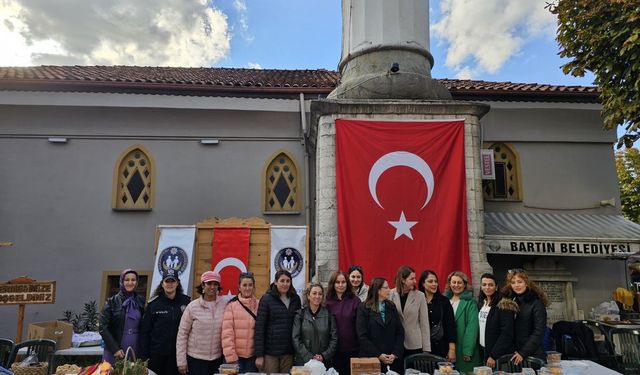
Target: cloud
column 98, row 32
column 254, row 66
column 243, row 20
column 482, row 36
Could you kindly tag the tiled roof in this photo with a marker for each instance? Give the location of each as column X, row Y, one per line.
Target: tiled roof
column 214, row 81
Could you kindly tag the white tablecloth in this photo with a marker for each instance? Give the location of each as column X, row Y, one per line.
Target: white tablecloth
column 583, row 367
column 86, row 350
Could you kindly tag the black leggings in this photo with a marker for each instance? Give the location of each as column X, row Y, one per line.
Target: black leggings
column 202, row 367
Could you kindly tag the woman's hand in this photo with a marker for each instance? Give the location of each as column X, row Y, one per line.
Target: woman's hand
column 517, row 358
column 491, row 362
column 466, row 358
column 119, row 354
column 387, row 359
column 183, row 370
column 318, row 357
column 260, row 362
column 451, row 355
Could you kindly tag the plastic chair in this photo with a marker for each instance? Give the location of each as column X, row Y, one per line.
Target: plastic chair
column 504, row 363
column 423, row 362
column 6, row 347
column 44, row 349
column 626, row 344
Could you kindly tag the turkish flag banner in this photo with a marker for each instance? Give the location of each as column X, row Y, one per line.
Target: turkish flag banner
column 401, row 197
column 230, row 256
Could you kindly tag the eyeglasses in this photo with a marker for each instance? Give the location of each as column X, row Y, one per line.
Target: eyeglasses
column 355, row 268
column 516, row 270
column 246, row 274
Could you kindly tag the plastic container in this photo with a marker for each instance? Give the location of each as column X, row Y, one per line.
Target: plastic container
column 482, row 370
column 300, row 370
column 230, row 369
column 554, row 358
column 445, row 367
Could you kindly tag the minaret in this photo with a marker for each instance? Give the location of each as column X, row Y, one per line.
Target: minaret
column 386, row 76
column 385, row 51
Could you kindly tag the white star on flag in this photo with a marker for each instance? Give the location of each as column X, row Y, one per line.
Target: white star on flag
column 403, row 227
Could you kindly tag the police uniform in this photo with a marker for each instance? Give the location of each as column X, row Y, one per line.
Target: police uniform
column 158, row 332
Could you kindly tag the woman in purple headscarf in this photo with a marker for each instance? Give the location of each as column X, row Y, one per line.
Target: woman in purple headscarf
column 121, row 317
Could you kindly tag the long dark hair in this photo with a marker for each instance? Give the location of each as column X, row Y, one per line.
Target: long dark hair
column 401, row 275
column 497, row 295
column 372, row 296
column 331, row 287
column 160, row 290
column 350, row 270
column 423, row 277
column 292, row 291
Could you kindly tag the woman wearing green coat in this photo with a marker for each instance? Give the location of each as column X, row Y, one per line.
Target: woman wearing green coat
column 467, row 327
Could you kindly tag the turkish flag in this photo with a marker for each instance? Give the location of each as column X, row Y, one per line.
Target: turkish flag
column 230, row 256
column 401, row 197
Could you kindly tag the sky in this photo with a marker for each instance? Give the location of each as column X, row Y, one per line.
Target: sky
column 491, row 40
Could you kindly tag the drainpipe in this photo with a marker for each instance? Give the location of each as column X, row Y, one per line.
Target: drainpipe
column 307, row 209
column 303, row 125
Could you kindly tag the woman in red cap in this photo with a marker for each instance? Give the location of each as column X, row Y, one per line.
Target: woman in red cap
column 199, row 345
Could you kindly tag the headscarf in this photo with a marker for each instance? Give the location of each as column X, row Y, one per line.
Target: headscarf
column 130, row 305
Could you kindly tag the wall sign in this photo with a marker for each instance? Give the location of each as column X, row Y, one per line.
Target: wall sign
column 559, row 248
column 27, row 293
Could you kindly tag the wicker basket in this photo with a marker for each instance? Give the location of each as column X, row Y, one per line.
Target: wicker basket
column 124, row 364
column 39, row 369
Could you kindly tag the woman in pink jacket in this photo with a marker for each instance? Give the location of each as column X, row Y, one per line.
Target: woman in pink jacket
column 239, row 325
column 199, row 346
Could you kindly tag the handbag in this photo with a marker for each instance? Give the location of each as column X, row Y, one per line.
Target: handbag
column 437, row 332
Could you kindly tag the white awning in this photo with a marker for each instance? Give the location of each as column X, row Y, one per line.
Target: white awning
column 558, row 234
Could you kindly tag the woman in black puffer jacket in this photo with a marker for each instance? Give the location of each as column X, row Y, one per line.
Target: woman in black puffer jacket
column 531, row 320
column 120, row 318
column 274, row 325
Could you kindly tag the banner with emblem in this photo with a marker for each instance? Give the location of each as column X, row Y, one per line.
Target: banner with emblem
column 175, row 252
column 289, row 251
column 229, row 257
column 401, row 196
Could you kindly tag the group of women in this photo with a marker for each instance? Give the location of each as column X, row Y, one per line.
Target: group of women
column 347, row 319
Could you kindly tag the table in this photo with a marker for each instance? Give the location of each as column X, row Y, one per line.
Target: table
column 81, row 351
column 584, row 367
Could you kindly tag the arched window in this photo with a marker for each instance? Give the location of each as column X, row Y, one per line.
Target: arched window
column 281, row 184
column 506, row 185
column 133, row 180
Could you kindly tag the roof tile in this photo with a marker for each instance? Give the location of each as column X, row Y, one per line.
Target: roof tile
column 318, row 80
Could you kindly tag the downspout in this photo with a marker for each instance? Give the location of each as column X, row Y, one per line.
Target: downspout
column 307, row 209
column 303, row 124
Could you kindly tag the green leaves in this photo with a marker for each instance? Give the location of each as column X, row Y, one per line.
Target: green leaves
column 604, row 37
column 628, row 169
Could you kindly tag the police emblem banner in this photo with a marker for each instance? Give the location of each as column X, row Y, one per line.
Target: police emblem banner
column 175, row 251
column 401, row 197
column 230, row 256
column 289, row 251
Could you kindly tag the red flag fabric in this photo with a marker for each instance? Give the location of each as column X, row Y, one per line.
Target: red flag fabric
column 401, row 197
column 230, row 256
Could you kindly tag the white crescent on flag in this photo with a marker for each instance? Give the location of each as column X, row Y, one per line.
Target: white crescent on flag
column 397, row 159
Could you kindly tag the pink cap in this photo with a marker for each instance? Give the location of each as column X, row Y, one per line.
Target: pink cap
column 210, row 276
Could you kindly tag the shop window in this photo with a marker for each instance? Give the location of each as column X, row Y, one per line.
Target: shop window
column 111, row 284
column 506, row 186
column 281, row 185
column 133, row 180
